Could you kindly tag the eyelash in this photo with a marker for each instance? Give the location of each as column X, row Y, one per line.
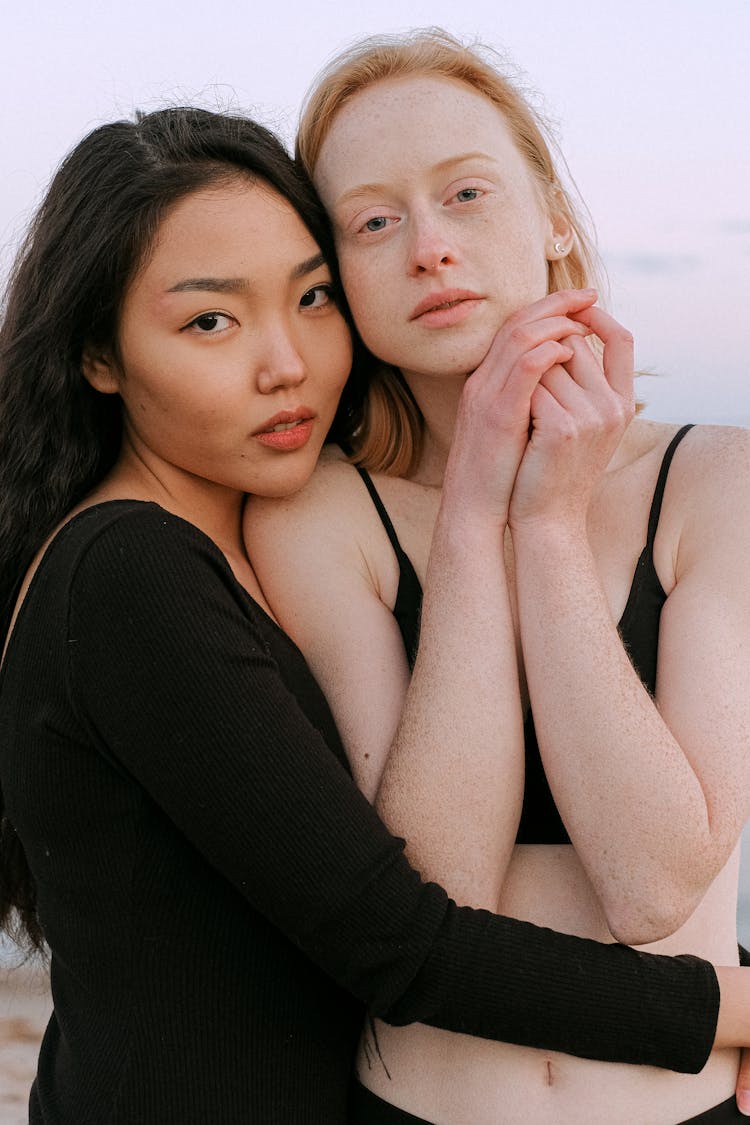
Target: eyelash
column 477, row 192
column 367, row 229
column 387, row 220
column 326, row 289
column 213, row 315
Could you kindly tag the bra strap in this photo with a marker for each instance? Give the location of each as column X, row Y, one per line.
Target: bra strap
column 380, row 506
column 656, row 503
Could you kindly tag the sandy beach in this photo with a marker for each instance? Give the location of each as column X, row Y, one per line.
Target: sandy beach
column 24, row 1010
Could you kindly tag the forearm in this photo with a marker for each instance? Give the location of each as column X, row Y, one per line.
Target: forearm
column 568, row 994
column 631, row 801
column 733, row 1024
column 453, row 782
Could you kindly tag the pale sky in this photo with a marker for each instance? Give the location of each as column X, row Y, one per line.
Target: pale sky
column 651, row 101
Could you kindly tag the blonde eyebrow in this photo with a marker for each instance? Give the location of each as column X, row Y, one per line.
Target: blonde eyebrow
column 442, row 166
column 240, row 284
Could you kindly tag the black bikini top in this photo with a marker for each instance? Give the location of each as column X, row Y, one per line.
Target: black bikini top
column 638, row 628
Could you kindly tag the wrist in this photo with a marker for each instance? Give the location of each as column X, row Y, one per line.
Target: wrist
column 462, row 531
column 475, row 514
column 733, row 1027
column 556, row 532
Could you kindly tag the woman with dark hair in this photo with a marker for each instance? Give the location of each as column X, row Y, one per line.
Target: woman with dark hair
column 179, row 826
column 558, row 727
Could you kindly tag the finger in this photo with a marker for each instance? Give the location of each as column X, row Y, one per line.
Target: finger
column 518, row 339
column 618, row 355
column 566, row 302
column 743, row 1083
column 531, row 367
column 587, row 394
column 546, row 410
column 561, row 302
column 573, row 399
column 585, row 366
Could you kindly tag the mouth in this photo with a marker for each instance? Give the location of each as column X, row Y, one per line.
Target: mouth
column 287, row 430
column 445, row 301
column 286, row 420
column 280, row 427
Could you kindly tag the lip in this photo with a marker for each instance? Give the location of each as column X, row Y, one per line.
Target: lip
column 446, row 306
column 300, row 422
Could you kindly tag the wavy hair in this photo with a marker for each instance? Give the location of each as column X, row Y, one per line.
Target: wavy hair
column 93, row 232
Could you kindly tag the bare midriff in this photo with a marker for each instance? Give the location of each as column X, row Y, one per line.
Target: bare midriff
column 452, row 1079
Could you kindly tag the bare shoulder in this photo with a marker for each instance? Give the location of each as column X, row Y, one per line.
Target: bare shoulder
column 713, row 466
column 329, row 526
column 334, row 498
column 706, row 513
column 708, row 456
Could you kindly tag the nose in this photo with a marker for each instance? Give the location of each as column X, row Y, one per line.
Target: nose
column 429, row 249
column 281, row 364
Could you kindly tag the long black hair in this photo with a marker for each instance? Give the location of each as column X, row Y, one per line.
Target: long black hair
column 94, row 230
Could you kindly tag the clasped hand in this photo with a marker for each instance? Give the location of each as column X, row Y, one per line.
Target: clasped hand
column 542, row 415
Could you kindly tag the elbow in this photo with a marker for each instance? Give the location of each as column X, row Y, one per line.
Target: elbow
column 635, row 928
column 656, row 899
column 643, row 919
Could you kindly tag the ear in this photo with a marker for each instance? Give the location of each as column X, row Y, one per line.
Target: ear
column 560, row 234
column 100, row 370
column 559, row 237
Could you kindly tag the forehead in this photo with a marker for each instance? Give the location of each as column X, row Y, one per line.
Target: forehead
column 416, row 120
column 229, row 229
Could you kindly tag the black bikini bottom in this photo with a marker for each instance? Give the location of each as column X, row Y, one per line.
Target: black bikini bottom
column 367, row 1108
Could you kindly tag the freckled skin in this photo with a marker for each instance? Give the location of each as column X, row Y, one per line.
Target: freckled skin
column 474, row 223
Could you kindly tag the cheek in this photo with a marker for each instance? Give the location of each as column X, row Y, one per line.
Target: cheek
column 523, row 251
column 338, row 357
column 367, row 284
column 330, row 357
column 375, row 312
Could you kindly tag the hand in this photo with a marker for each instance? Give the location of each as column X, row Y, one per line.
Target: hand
column 494, row 415
column 579, row 413
column 743, row 1083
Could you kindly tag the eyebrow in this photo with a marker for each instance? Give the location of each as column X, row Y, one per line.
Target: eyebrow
column 240, row 284
column 209, row 284
column 308, row 266
column 442, row 166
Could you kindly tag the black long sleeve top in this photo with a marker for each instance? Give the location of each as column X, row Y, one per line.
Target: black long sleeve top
column 221, row 903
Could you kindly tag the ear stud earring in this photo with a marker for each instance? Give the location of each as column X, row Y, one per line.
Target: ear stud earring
column 559, row 248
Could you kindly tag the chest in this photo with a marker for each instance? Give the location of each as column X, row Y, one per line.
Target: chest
column 617, row 532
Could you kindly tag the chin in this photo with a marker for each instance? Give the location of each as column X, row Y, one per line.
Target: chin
column 460, row 355
column 454, row 366
column 289, row 479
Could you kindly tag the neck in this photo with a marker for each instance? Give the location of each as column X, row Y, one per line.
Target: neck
column 438, row 398
column 213, row 508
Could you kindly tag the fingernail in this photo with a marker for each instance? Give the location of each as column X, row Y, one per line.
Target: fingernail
column 743, row 1102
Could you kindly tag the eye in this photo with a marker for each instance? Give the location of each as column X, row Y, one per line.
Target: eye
column 317, row 297
column 468, row 194
column 211, row 323
column 376, row 223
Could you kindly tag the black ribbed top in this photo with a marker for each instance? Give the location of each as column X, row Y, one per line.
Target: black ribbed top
column 220, row 900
